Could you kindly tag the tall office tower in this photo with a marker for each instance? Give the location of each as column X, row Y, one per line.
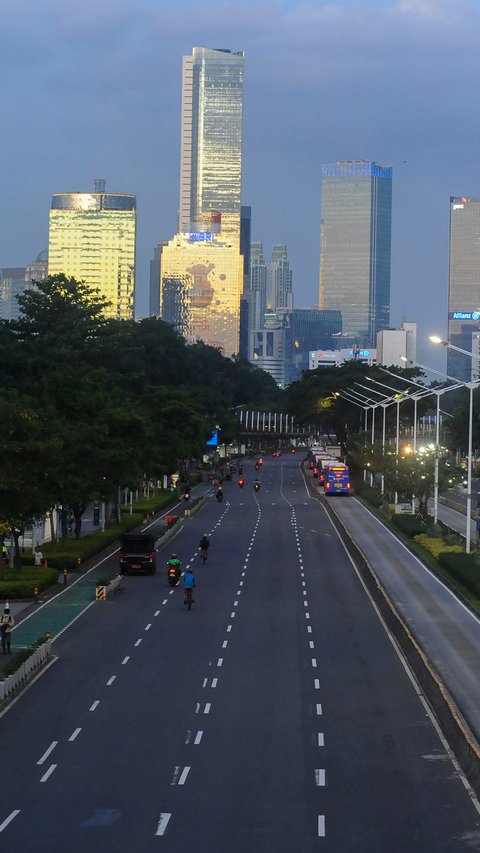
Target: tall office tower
column 12, row 284
column 211, row 142
column 258, row 285
column 463, row 283
column 201, row 285
column 279, row 280
column 355, row 246
column 313, row 329
column 201, row 275
column 245, row 301
column 92, row 237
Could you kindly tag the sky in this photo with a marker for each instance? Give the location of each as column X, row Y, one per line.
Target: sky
column 92, row 89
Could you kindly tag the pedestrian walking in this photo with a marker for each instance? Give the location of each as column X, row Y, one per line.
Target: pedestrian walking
column 6, row 624
column 38, row 556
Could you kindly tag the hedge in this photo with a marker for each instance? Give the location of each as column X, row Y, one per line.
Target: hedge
column 436, row 546
column 372, row 495
column 464, row 568
column 15, row 661
column 22, row 584
column 411, row 525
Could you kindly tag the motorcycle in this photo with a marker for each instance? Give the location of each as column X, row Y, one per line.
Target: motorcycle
column 186, row 495
column 256, row 487
column 241, row 483
column 219, row 497
column 173, row 575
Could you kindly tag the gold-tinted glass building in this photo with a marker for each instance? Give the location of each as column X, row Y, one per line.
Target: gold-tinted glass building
column 92, row 237
column 201, row 268
column 202, row 280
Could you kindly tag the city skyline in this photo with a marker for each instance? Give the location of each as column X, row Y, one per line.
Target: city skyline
column 324, row 81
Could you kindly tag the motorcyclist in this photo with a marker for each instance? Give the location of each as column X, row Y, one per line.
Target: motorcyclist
column 256, row 485
column 174, row 563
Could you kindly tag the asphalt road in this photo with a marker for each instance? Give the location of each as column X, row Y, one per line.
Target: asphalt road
column 275, row 717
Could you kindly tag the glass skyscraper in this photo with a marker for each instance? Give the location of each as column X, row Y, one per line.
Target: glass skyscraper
column 211, row 142
column 201, row 269
column 92, row 237
column 463, row 284
column 355, row 246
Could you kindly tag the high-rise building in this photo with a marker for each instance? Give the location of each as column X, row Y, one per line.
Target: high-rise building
column 355, row 246
column 14, row 281
column 463, row 283
column 92, row 237
column 279, row 280
column 211, row 142
column 202, row 282
column 313, row 329
column 201, row 268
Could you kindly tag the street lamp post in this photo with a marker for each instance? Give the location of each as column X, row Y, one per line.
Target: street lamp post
column 384, row 402
column 470, row 385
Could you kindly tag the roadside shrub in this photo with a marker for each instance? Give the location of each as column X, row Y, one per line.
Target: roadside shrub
column 15, row 661
column 411, row 525
column 464, row 568
column 22, row 585
column 436, row 546
column 372, row 495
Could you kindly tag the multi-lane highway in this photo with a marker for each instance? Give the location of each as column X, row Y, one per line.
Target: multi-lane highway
column 275, row 717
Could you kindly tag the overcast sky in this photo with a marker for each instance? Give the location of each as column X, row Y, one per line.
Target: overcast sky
column 92, row 88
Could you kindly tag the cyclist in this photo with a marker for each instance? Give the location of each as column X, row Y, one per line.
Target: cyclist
column 204, row 546
column 188, row 585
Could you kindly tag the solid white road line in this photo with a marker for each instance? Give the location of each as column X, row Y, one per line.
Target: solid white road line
column 74, row 735
column 9, row 819
column 111, row 680
column 47, row 752
column 198, row 737
column 320, row 778
column 321, row 826
column 48, row 773
column 95, row 705
column 162, row 823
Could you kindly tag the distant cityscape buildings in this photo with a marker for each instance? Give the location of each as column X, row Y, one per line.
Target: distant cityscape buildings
column 463, row 284
column 215, row 284
column 92, row 237
column 355, row 246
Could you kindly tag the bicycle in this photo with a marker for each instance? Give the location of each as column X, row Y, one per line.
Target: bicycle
column 204, row 554
column 189, row 597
